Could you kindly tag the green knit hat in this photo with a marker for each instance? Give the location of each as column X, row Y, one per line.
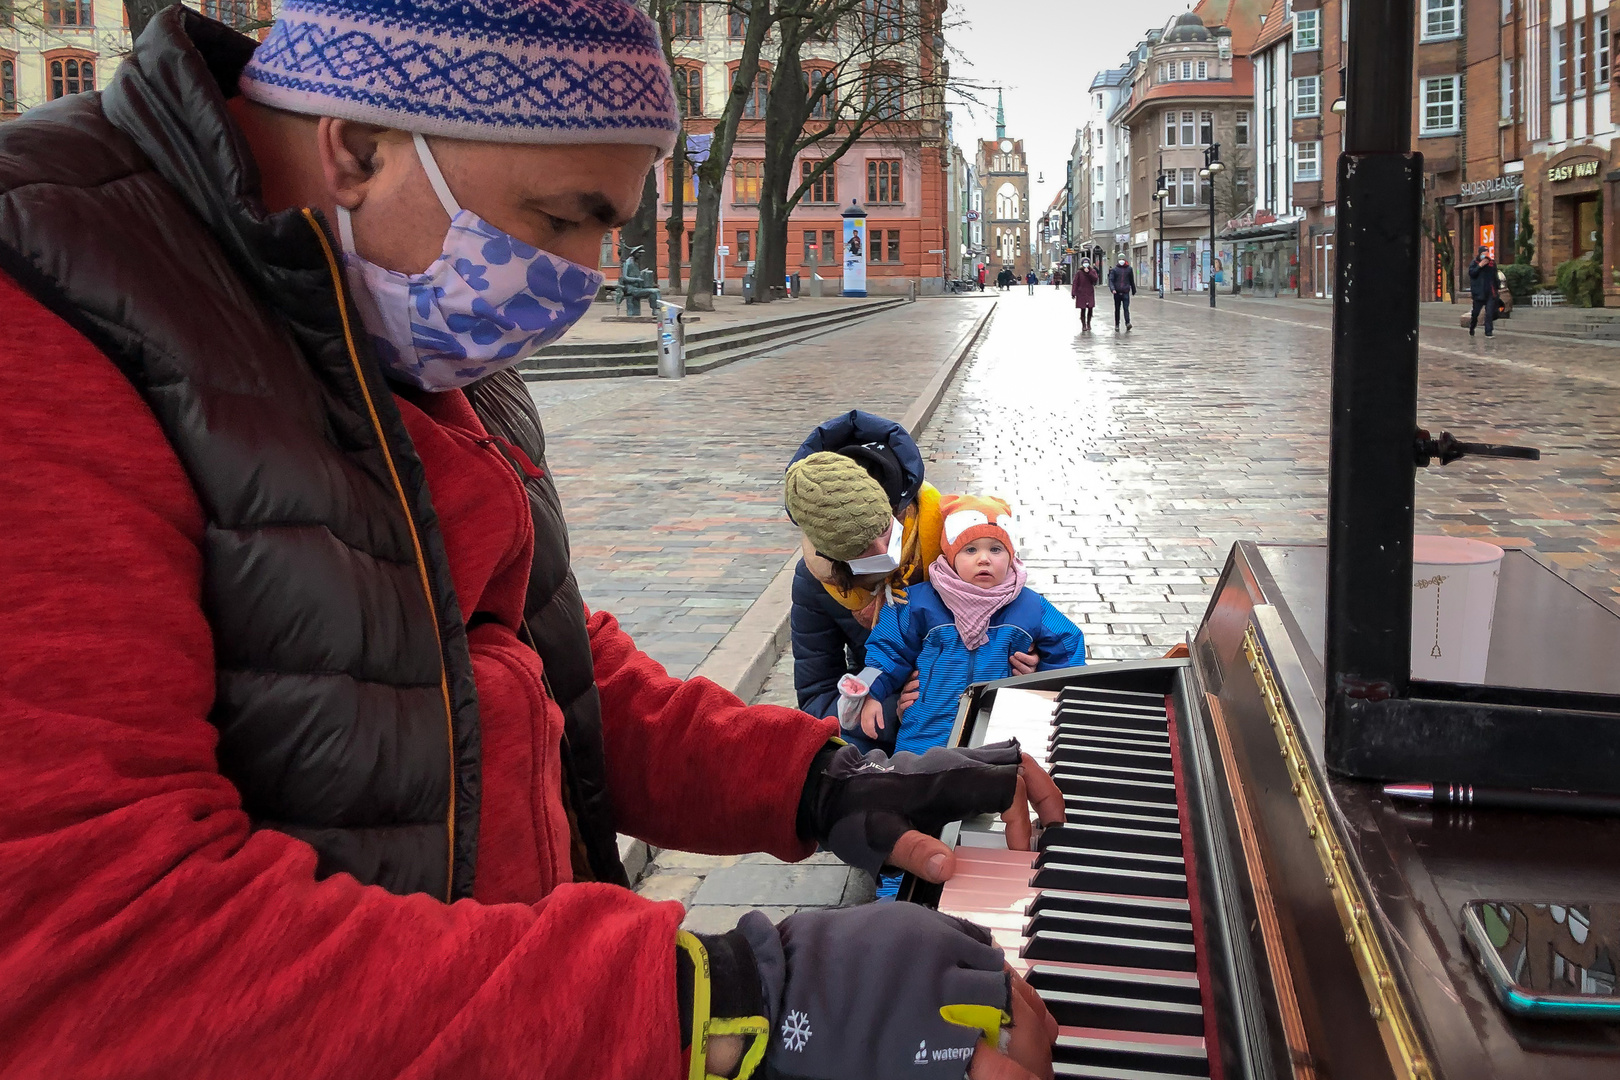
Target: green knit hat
column 837, row 504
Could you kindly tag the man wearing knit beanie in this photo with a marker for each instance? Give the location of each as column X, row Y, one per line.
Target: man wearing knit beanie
column 329, row 782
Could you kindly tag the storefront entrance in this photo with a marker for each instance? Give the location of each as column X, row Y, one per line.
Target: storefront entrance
column 1322, row 265
column 1585, row 210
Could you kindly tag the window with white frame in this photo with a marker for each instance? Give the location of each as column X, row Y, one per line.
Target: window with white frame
column 1186, row 69
column 1159, row 73
column 1188, row 135
column 1440, row 99
column 1307, row 30
column 1600, row 38
column 1169, row 129
column 1243, row 127
column 1507, row 11
column 1308, row 95
column 1440, row 18
column 1580, row 56
column 1189, row 187
column 1307, row 161
column 1206, row 128
column 1203, row 69
column 1099, row 209
column 1560, row 51
column 1507, row 89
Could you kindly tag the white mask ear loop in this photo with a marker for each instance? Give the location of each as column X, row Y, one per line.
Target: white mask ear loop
column 345, row 230
column 435, row 177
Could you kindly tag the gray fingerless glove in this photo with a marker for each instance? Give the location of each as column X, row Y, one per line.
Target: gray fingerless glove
column 877, row 992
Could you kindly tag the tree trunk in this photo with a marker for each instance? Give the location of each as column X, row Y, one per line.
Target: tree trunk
column 711, row 174
column 642, row 230
column 785, row 115
column 675, row 225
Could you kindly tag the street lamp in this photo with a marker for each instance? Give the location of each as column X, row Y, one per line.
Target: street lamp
column 1159, row 195
column 1212, row 165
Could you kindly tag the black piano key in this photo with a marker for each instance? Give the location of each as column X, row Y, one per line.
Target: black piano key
column 1167, row 987
column 1115, row 1013
column 1094, row 877
column 1096, row 785
column 1091, row 922
column 1096, row 948
column 1116, row 837
column 1092, row 813
column 1121, row 1058
column 1130, row 907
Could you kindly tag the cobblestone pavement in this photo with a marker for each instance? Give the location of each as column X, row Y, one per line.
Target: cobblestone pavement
column 729, row 311
column 672, row 489
column 1134, row 461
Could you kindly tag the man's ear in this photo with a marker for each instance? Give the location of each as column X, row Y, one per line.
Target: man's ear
column 348, row 152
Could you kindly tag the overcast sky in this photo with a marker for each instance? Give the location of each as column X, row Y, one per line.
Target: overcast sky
column 1044, row 54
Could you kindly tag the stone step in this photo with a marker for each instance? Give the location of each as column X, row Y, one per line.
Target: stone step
column 705, row 350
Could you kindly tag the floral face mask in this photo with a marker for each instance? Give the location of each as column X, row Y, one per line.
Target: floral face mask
column 487, row 302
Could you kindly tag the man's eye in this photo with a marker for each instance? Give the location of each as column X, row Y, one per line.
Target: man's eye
column 557, row 224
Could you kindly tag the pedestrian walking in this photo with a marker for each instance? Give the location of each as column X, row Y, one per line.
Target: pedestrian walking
column 1122, row 283
column 1483, row 284
column 343, row 794
column 1030, row 279
column 1084, row 291
column 981, row 277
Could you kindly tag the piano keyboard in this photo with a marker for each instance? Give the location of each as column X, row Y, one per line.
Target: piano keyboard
column 1099, row 920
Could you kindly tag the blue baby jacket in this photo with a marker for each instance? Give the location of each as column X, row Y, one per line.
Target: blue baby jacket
column 920, row 635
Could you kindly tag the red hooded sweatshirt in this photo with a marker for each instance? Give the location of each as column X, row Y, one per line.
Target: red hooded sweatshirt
column 147, row 931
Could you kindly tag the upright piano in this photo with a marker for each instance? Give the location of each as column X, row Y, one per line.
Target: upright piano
column 1218, row 904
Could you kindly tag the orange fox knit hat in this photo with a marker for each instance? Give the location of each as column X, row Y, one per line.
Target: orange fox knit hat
column 969, row 517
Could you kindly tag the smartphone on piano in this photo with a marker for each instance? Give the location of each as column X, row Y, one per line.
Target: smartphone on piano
column 1548, row 960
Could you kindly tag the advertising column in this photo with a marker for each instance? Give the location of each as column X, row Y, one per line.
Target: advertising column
column 854, row 251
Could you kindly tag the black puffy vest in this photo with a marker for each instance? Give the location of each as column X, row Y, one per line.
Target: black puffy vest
column 345, row 702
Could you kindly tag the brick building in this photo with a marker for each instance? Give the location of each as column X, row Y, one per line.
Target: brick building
column 898, row 173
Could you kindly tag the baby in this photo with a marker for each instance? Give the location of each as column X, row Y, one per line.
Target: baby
column 960, row 628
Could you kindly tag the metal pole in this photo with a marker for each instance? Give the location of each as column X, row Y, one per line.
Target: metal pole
column 1375, row 365
column 1211, row 239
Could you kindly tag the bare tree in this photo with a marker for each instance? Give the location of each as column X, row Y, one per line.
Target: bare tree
column 756, row 19
column 1231, row 199
column 878, row 69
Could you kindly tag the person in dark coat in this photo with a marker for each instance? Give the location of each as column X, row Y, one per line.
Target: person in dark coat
column 1031, row 280
column 1122, row 283
column 1084, row 291
column 830, row 620
column 1486, row 290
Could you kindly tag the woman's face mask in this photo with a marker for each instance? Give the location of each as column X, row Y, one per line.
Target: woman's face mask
column 888, row 562
column 487, row 302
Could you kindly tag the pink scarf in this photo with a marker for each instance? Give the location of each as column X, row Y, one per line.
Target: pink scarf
column 973, row 606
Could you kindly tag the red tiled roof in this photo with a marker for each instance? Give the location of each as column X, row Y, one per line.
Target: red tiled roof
column 1242, row 17
column 1276, row 27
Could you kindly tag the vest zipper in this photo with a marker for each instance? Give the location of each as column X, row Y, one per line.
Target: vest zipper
column 416, row 540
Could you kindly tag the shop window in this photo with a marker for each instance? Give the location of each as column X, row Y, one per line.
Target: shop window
column 689, row 89
column 1307, row 29
column 686, row 21
column 1440, row 98
column 1243, row 128
column 69, row 13
column 745, row 181
column 1308, row 96
column 71, row 75
column 1206, row 128
column 824, row 188
column 8, row 84
column 1169, row 129
column 1307, row 162
column 883, row 182
column 1187, row 132
column 1440, row 18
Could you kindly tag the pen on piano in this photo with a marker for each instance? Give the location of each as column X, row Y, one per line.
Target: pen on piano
column 1537, row 800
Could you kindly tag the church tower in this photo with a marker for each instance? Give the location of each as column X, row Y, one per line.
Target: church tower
column 1004, row 194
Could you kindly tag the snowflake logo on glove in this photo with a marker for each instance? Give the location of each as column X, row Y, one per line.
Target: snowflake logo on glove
column 796, row 1030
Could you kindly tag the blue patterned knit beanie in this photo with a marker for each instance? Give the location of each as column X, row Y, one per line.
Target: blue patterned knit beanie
column 519, row 71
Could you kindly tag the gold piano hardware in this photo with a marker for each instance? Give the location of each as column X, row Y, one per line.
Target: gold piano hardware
column 1383, row 997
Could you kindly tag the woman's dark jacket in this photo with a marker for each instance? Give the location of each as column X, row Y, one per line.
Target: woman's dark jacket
column 345, row 701
column 828, row 642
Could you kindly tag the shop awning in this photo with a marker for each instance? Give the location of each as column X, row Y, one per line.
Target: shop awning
column 1281, row 229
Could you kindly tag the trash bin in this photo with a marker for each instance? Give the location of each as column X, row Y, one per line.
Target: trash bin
column 748, row 287
column 794, row 285
column 671, row 342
